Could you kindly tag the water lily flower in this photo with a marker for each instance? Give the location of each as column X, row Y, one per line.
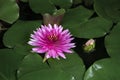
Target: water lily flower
column 52, row 40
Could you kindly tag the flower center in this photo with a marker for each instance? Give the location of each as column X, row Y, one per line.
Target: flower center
column 52, row 37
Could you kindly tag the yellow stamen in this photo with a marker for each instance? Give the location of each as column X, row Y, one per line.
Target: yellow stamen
column 52, row 37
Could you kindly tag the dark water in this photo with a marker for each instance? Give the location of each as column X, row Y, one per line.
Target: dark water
column 88, row 58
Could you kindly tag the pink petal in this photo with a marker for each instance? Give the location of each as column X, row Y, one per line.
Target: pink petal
column 67, row 51
column 39, row 50
column 51, row 40
column 47, row 56
column 62, row 55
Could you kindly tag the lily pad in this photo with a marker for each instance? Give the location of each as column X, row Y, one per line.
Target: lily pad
column 75, row 2
column 63, row 3
column 9, row 10
column 24, row 0
column 93, row 28
column 112, row 42
column 32, row 67
column 42, row 6
column 108, row 9
column 106, row 69
column 19, row 33
column 9, row 62
column 72, row 65
column 74, row 17
column 46, row 74
column 31, row 62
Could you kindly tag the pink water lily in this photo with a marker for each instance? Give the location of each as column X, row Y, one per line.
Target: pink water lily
column 52, row 41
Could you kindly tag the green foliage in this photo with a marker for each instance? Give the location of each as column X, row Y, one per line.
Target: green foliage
column 112, row 42
column 9, row 62
column 24, row 0
column 24, row 29
column 9, row 10
column 27, row 66
column 73, row 65
column 42, row 6
column 60, row 69
column 63, row 3
column 93, row 28
column 75, row 2
column 108, row 9
column 74, row 17
column 106, row 69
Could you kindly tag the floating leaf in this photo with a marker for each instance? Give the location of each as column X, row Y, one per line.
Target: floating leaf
column 106, row 69
column 88, row 3
column 108, row 9
column 95, row 27
column 46, row 75
column 112, row 42
column 63, row 3
column 77, row 2
column 9, row 10
column 19, row 33
column 42, row 6
column 31, row 62
column 0, row 27
column 9, row 62
column 72, row 65
column 74, row 17
column 32, row 67
column 24, row 0
column 23, row 49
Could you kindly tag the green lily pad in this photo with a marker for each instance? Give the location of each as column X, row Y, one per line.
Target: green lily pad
column 63, row 3
column 32, row 67
column 112, row 42
column 42, row 6
column 23, row 49
column 74, row 17
column 72, row 65
column 108, row 9
column 93, row 28
column 9, row 62
column 19, row 33
column 32, row 62
column 77, row 2
column 9, row 10
column 46, row 74
column 0, row 27
column 88, row 3
column 24, row 0
column 106, row 69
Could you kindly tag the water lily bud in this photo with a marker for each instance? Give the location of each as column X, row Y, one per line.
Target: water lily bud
column 89, row 46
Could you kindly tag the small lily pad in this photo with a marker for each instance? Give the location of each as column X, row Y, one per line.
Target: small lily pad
column 9, row 10
column 19, row 33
